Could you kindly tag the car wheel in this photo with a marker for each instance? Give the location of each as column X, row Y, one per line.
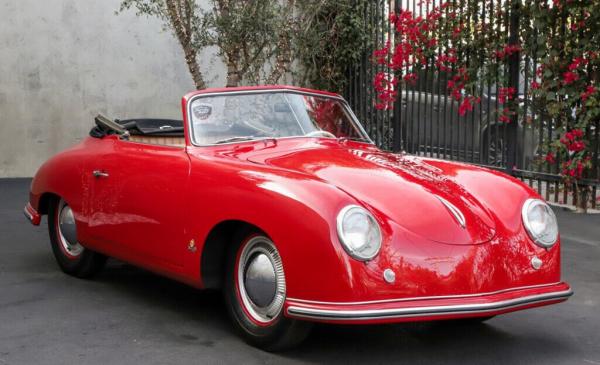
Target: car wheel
column 494, row 148
column 72, row 257
column 255, row 292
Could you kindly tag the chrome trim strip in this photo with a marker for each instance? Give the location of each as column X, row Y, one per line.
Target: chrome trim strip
column 357, row 315
column 27, row 214
column 458, row 296
column 190, row 129
column 456, row 213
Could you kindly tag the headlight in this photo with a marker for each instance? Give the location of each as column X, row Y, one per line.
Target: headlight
column 540, row 222
column 359, row 232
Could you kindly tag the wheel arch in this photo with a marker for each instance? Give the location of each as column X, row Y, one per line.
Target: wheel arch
column 215, row 248
column 45, row 200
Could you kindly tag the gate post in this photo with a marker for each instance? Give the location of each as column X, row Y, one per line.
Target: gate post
column 512, row 130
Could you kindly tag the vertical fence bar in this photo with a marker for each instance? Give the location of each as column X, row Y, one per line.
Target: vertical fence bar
column 438, row 102
column 480, row 128
column 513, row 70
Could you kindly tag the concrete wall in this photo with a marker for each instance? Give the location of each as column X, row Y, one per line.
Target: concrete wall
column 63, row 61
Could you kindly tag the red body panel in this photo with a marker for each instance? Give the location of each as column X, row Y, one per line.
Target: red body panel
column 157, row 199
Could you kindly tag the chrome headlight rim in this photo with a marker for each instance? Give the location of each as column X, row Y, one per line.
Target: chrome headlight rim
column 529, row 203
column 343, row 239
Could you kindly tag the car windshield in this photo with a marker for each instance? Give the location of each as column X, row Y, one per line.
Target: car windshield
column 238, row 117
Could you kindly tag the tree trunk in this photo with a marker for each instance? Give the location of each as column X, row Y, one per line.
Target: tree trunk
column 192, row 63
column 181, row 23
column 581, row 196
column 284, row 51
column 233, row 75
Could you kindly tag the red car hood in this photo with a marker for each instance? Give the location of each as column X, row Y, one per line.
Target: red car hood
column 406, row 189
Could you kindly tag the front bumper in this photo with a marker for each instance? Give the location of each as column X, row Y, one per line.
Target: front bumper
column 430, row 308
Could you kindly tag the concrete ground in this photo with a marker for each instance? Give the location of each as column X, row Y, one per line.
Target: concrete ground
column 129, row 316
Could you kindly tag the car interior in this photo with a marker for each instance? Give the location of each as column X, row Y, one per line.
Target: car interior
column 167, row 132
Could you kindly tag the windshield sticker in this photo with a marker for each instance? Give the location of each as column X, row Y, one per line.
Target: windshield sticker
column 202, row 111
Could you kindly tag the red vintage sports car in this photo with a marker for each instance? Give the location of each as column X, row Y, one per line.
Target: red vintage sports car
column 277, row 196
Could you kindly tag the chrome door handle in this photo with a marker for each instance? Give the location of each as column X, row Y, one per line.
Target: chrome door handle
column 98, row 173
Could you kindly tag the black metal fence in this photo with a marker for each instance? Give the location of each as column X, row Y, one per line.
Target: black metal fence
column 425, row 119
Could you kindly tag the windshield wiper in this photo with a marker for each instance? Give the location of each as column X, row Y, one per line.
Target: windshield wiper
column 235, row 139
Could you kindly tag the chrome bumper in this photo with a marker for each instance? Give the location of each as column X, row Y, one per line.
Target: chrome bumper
column 460, row 310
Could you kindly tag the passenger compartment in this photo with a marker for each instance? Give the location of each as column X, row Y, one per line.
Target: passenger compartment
column 165, row 132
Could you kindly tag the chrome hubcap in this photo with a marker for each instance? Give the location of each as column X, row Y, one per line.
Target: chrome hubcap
column 67, row 230
column 261, row 280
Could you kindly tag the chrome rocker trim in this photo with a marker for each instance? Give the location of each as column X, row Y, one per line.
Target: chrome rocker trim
column 358, row 315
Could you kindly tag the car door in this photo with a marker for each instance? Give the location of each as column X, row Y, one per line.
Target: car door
column 138, row 203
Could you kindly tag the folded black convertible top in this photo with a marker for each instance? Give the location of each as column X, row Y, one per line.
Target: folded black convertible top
column 139, row 126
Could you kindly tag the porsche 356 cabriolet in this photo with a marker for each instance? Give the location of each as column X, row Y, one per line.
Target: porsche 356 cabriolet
column 277, row 196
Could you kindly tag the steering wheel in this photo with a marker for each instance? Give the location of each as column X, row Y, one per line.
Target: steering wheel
column 258, row 126
column 320, row 133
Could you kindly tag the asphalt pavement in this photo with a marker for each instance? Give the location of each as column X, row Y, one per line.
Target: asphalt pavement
column 127, row 315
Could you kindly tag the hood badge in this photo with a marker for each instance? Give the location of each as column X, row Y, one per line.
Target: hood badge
column 460, row 218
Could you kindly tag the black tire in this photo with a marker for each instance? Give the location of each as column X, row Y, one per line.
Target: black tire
column 495, row 148
column 280, row 333
column 476, row 320
column 82, row 264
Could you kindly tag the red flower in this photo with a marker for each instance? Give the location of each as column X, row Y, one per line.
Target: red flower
column 456, row 94
column 539, row 71
column 576, row 146
column 579, row 169
column 456, row 31
column 465, row 106
column 573, row 168
column 578, row 61
column 410, row 77
column 550, row 158
column 572, row 141
column 587, row 93
column 535, row 85
column 570, row 77
column 577, row 133
column 505, row 94
column 508, row 50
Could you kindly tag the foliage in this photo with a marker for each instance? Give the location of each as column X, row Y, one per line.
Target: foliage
column 562, row 36
column 567, row 43
column 248, row 33
column 259, row 39
column 331, row 35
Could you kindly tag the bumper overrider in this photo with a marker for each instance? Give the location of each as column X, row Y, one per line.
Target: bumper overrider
column 430, row 308
column 31, row 214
